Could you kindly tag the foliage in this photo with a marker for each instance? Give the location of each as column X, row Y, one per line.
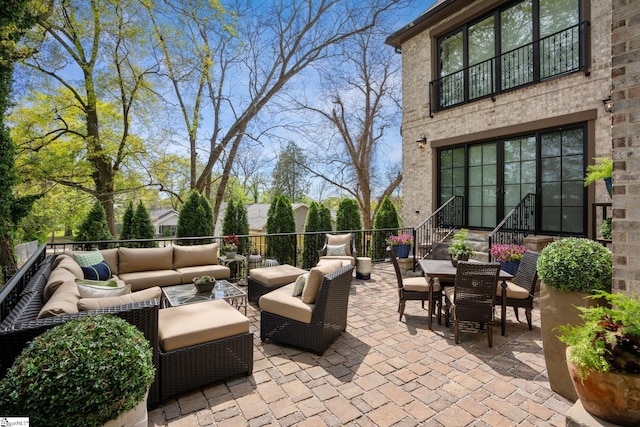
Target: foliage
column 142, row 227
column 290, row 177
column 127, row 223
column 348, row 218
column 311, row 241
column 609, row 338
column 605, row 228
column 236, row 222
column 83, row 372
column 599, row 171
column 508, row 252
column 386, row 218
column 230, row 243
column 324, row 218
column 459, row 246
column 94, row 227
column 576, row 264
column 281, row 220
column 400, row 239
column 196, row 219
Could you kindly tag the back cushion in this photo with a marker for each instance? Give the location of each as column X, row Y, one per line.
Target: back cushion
column 111, row 257
column 340, row 239
column 192, row 256
column 69, row 264
column 316, row 276
column 131, row 260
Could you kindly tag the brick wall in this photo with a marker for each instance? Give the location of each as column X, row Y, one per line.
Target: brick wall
column 625, row 74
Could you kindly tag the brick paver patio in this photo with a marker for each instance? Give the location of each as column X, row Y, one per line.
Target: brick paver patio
column 384, row 372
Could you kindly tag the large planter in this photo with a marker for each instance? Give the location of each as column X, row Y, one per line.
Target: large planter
column 403, row 251
column 559, row 308
column 610, row 396
column 135, row 417
column 454, row 260
column 510, row 267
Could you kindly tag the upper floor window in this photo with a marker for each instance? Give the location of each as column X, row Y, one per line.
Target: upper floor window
column 521, row 43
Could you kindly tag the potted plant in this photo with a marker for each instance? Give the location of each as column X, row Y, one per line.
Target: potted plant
column 460, row 249
column 570, row 270
column 204, row 284
column 401, row 244
column 230, row 245
column 603, row 358
column 509, row 256
column 84, row 372
column 602, row 170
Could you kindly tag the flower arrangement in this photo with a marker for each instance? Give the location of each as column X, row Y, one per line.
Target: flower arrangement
column 508, row 252
column 230, row 243
column 400, row 239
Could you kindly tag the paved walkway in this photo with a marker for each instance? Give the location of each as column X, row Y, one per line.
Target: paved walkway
column 384, row 372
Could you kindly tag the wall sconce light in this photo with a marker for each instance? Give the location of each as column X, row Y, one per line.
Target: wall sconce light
column 608, row 105
column 422, row 141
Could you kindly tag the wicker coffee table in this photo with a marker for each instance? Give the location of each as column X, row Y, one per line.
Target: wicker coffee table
column 173, row 296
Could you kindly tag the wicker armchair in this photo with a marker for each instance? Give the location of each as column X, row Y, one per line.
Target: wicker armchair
column 472, row 299
column 520, row 291
column 328, row 321
column 415, row 289
column 348, row 240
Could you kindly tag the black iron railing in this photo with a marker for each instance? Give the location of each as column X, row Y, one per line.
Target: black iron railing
column 11, row 290
column 560, row 53
column 438, row 226
column 518, row 224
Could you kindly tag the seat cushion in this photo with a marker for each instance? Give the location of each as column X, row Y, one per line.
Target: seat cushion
column 419, row 284
column 276, row 276
column 346, row 260
column 192, row 324
column 146, row 279
column 283, row 303
column 217, row 271
column 190, row 256
column 513, row 291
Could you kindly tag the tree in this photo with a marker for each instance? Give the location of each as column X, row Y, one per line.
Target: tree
column 348, row 219
column 388, row 222
column 310, row 247
column 142, row 227
column 290, row 173
column 236, row 222
column 127, row 223
column 281, row 220
column 196, row 218
column 324, row 219
column 94, row 227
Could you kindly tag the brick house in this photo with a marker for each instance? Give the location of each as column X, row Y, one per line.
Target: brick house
column 502, row 99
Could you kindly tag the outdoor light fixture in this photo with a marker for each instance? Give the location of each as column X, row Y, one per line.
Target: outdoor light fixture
column 422, row 141
column 608, row 105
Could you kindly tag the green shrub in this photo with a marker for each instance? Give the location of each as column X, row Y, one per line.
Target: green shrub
column 280, row 219
column 196, row 219
column 142, row 227
column 348, row 218
column 94, row 227
column 127, row 223
column 576, row 265
column 81, row 373
column 310, row 248
column 236, row 222
column 386, row 220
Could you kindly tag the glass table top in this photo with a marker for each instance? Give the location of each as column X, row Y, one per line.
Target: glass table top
column 188, row 294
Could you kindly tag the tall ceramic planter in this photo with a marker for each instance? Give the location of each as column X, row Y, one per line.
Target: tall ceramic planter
column 559, row 308
column 610, row 396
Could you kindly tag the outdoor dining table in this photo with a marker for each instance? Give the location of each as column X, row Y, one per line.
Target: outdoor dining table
column 444, row 271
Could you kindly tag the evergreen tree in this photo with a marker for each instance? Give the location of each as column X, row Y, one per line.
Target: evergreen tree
column 94, row 227
column 142, row 227
column 348, row 218
column 196, row 219
column 236, row 221
column 310, row 247
column 281, row 220
column 387, row 221
column 324, row 219
column 229, row 220
column 127, row 223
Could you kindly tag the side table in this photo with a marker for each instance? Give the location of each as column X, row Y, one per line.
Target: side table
column 242, row 264
column 363, row 268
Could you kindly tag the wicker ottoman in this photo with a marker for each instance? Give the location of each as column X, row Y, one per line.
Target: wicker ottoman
column 201, row 344
column 265, row 280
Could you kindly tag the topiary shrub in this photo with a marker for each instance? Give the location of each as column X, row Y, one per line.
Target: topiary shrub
column 576, row 265
column 84, row 372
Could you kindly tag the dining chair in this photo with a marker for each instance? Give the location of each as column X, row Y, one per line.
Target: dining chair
column 415, row 289
column 441, row 251
column 472, row 298
column 521, row 290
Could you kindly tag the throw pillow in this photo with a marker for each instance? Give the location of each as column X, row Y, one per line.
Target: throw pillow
column 95, row 303
column 102, row 291
column 337, row 250
column 87, row 259
column 299, row 285
column 100, row 271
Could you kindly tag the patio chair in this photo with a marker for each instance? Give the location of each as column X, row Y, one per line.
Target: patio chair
column 520, row 291
column 472, row 299
column 415, row 289
column 339, row 246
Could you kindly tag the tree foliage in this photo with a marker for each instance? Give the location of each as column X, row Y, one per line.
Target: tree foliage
column 281, row 220
column 94, row 227
column 236, row 222
column 290, row 176
column 311, row 241
column 324, row 219
column 348, row 219
column 388, row 222
column 142, row 227
column 127, row 223
column 196, row 218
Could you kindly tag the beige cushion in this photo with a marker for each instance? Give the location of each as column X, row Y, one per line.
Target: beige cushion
column 109, row 288
column 283, row 303
column 513, row 291
column 276, row 276
column 57, row 278
column 192, row 324
column 71, row 265
column 147, row 279
column 419, row 284
column 187, row 274
column 340, row 239
column 111, row 257
column 346, row 260
column 132, row 260
column 316, row 276
column 189, row 256
column 63, row 301
column 95, row 303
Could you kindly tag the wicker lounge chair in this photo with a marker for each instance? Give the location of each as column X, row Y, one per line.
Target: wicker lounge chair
column 520, row 291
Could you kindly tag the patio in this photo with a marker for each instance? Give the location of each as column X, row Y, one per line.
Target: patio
column 384, row 372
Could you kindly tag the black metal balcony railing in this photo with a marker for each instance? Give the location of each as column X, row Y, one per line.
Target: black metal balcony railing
column 557, row 54
column 518, row 224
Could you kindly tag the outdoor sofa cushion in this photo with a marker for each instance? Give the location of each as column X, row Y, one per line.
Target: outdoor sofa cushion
column 316, row 276
column 340, row 239
column 197, row 255
column 283, row 303
column 145, row 279
column 63, row 301
column 276, row 276
column 132, row 260
column 95, row 303
column 187, row 274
